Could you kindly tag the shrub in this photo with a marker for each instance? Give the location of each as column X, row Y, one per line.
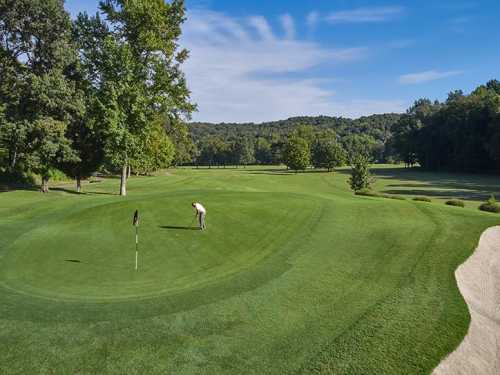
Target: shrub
column 491, row 205
column 492, row 201
column 422, row 199
column 456, row 203
column 360, row 179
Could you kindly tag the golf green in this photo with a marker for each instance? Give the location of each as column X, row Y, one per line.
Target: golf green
column 89, row 255
column 293, row 275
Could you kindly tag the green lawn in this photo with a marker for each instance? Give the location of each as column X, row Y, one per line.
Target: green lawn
column 294, row 275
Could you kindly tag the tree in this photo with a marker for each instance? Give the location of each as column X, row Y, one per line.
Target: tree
column 36, row 54
column 155, row 152
column 358, row 144
column 185, row 149
column 327, row 152
column 296, row 154
column 136, row 75
column 49, row 148
column 243, row 151
column 405, row 139
column 263, row 152
column 213, row 151
column 360, row 174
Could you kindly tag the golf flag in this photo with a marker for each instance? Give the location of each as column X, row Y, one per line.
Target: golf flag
column 135, row 223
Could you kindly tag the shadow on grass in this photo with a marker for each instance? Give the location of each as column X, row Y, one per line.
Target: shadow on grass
column 71, row 191
column 5, row 188
column 173, row 227
column 444, row 194
column 438, row 184
column 73, row 260
column 286, row 172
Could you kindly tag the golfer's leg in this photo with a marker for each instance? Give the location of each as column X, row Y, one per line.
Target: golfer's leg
column 200, row 220
column 203, row 221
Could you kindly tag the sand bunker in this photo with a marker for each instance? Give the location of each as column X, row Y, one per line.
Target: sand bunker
column 479, row 282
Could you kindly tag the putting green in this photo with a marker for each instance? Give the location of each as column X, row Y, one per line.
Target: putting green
column 96, row 261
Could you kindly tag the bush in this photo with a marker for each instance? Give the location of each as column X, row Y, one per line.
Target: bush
column 491, row 205
column 58, row 176
column 422, row 199
column 456, row 203
column 360, row 179
column 492, row 201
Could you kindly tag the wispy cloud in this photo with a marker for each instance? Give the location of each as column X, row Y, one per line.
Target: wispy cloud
column 262, row 27
column 288, row 25
column 363, row 15
column 240, row 70
column 312, row 20
column 427, row 76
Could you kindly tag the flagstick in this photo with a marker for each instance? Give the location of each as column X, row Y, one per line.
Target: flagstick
column 136, row 245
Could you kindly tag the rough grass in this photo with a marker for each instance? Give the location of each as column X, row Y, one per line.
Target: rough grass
column 294, row 275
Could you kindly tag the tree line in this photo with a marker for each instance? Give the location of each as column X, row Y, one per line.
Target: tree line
column 461, row 134
column 100, row 92
column 265, row 143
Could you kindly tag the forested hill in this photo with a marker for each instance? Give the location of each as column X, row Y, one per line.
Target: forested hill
column 265, row 143
column 377, row 126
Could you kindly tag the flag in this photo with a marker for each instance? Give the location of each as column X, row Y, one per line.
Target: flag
column 135, row 221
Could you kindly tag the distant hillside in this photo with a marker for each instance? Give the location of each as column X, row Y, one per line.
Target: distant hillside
column 377, row 126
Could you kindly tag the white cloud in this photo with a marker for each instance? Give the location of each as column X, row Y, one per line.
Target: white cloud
column 262, row 27
column 427, row 76
column 312, row 20
column 362, row 15
column 240, row 71
column 288, row 25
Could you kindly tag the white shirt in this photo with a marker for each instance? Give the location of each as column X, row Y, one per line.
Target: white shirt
column 200, row 208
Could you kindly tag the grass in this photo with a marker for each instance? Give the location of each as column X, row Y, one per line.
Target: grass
column 294, row 275
column 412, row 182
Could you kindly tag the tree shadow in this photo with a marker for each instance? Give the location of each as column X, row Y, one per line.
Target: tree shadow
column 6, row 188
column 439, row 184
column 71, row 191
column 282, row 173
column 174, row 227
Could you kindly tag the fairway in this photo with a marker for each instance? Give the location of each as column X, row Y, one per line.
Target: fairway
column 294, row 275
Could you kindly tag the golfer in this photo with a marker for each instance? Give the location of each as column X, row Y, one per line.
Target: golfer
column 200, row 213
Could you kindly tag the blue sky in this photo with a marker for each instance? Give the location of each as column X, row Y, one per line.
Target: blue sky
column 268, row 60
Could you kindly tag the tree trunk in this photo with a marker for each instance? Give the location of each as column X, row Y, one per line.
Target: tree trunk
column 45, row 184
column 13, row 159
column 78, row 184
column 129, row 171
column 123, row 181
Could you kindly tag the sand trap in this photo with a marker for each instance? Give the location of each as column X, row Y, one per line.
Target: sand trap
column 479, row 282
